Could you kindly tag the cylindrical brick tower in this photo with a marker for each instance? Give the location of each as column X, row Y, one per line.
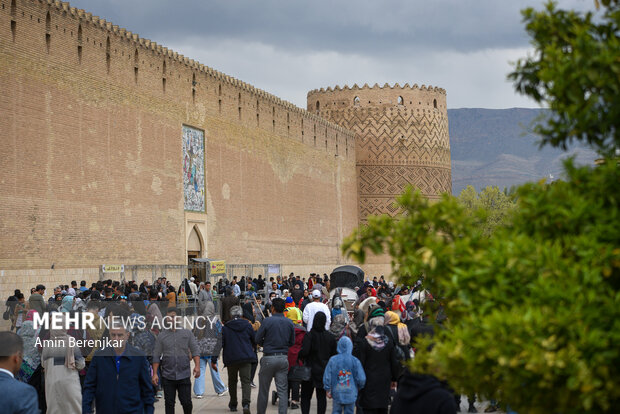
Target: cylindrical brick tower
column 401, row 135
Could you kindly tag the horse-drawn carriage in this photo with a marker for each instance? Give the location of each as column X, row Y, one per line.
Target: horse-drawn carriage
column 347, row 279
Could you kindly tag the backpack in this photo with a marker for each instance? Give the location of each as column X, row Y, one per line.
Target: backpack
column 398, row 348
column 143, row 340
column 141, row 337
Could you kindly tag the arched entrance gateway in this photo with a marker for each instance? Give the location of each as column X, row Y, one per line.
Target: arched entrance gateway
column 194, row 251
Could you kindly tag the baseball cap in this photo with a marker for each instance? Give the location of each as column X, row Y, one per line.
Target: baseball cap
column 316, row 294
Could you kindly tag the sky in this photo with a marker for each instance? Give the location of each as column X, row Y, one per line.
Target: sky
column 289, row 47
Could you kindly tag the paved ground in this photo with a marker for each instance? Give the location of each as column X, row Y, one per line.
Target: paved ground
column 211, row 403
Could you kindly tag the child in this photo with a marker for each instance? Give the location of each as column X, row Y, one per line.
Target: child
column 343, row 377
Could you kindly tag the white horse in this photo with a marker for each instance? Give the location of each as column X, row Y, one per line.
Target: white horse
column 422, row 296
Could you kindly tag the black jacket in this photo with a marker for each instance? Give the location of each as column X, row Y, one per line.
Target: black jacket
column 238, row 342
column 381, row 367
column 422, row 394
column 317, row 347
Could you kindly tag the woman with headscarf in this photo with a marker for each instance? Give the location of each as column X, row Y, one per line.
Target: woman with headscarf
column 397, row 328
column 61, row 363
column 371, row 311
column 399, row 335
column 19, row 312
column 182, row 298
column 67, row 304
column 54, row 305
column 227, row 303
column 208, row 333
column 317, row 347
column 340, row 317
column 248, row 314
column 411, row 317
column 32, row 359
column 70, row 304
column 356, row 323
column 31, row 371
column 376, row 353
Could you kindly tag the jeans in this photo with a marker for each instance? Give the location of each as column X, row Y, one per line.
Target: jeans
column 244, row 374
column 184, row 386
column 275, row 366
column 199, row 383
column 307, row 388
column 343, row 408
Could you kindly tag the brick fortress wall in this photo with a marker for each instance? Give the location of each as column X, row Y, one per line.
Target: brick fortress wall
column 401, row 136
column 91, row 165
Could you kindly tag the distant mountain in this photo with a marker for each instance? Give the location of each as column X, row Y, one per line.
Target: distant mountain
column 497, row 147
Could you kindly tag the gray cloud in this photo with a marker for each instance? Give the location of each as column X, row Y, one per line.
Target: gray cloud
column 360, row 26
column 290, row 46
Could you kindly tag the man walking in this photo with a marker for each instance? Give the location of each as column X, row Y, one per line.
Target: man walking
column 275, row 335
column 313, row 307
column 192, row 286
column 17, row 397
column 238, row 343
column 132, row 391
column 173, row 347
column 204, row 295
column 36, row 302
column 235, row 287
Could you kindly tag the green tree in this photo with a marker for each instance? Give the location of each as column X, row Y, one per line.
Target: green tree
column 574, row 71
column 491, row 207
column 533, row 308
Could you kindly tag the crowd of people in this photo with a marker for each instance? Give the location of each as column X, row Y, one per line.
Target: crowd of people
column 312, row 342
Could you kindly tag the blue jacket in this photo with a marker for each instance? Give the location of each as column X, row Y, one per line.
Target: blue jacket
column 344, row 374
column 127, row 392
column 17, row 397
column 238, row 342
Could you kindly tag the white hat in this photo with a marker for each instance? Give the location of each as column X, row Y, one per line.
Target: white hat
column 316, row 294
column 192, row 279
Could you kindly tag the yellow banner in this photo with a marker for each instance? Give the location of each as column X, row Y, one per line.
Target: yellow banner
column 113, row 268
column 218, row 267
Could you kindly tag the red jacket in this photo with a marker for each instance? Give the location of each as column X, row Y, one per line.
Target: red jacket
column 293, row 351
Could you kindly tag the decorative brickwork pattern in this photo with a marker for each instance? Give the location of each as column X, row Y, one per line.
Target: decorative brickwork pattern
column 401, row 138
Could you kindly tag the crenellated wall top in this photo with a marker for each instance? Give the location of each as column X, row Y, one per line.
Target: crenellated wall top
column 376, row 87
column 86, row 17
